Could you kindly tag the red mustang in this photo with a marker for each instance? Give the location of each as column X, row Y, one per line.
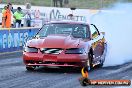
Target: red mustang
column 65, row 44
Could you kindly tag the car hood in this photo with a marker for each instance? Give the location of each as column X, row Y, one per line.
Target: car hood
column 55, row 41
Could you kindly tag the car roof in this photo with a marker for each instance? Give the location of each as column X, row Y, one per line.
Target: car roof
column 69, row 21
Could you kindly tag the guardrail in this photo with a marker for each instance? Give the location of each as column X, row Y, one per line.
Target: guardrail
column 14, row 39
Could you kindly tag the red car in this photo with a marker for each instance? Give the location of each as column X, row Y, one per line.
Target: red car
column 65, row 44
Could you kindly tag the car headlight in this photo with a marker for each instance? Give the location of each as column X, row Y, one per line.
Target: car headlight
column 74, row 51
column 30, row 49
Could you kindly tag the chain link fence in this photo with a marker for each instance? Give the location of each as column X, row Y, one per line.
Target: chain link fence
column 85, row 4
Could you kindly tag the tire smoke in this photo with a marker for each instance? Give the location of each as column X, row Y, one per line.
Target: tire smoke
column 116, row 22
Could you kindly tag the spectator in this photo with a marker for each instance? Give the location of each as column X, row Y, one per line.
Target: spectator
column 28, row 18
column 55, row 3
column 18, row 17
column 66, row 2
column 11, row 8
column 28, row 14
column 7, row 16
column 61, row 3
column 4, row 9
column 3, row 17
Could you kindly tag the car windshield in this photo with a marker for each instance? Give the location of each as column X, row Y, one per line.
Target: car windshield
column 76, row 30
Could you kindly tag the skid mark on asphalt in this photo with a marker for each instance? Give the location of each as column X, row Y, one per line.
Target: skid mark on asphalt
column 10, row 62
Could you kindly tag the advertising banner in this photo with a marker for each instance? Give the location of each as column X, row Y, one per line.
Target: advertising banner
column 14, row 40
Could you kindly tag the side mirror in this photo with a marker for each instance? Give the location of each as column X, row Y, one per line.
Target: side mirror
column 96, row 28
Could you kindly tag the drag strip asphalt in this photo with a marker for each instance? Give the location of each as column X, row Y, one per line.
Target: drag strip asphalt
column 14, row 75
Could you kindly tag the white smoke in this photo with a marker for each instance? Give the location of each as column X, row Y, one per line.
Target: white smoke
column 117, row 23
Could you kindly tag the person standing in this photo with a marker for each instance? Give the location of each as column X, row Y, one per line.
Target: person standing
column 61, row 3
column 11, row 7
column 66, row 2
column 7, row 16
column 28, row 19
column 4, row 9
column 3, row 16
column 12, row 12
column 55, row 2
column 18, row 17
column 28, row 15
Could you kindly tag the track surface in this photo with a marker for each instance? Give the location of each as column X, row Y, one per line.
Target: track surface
column 14, row 75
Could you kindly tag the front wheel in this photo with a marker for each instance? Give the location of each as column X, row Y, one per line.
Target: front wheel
column 89, row 64
column 30, row 68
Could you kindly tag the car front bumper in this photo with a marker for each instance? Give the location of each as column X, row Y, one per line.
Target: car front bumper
column 60, row 60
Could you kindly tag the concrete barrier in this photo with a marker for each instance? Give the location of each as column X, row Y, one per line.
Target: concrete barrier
column 14, row 39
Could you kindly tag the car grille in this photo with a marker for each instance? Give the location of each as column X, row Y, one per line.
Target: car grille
column 51, row 50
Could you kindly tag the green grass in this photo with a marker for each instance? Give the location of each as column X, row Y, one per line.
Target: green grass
column 90, row 4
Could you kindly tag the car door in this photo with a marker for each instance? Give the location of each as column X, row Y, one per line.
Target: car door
column 97, row 43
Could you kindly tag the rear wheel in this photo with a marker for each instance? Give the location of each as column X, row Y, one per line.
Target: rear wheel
column 30, row 68
column 103, row 56
column 101, row 64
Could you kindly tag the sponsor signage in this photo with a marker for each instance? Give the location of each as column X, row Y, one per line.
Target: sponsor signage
column 15, row 39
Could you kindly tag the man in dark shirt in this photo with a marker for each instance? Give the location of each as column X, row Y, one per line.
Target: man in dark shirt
column 66, row 1
column 61, row 3
column 55, row 3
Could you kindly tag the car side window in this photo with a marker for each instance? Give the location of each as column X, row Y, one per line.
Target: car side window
column 94, row 32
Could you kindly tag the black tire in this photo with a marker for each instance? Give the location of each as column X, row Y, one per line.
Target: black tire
column 101, row 64
column 30, row 68
column 89, row 64
column 104, row 54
